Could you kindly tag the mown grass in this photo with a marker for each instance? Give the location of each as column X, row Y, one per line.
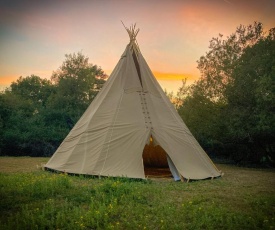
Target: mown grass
column 34, row 199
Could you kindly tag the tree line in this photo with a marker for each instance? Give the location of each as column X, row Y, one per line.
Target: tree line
column 229, row 109
column 36, row 114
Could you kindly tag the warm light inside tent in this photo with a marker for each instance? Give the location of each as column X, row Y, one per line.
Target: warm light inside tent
column 155, row 161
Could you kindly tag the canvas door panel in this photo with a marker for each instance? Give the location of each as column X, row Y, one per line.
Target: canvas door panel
column 176, row 139
column 187, row 158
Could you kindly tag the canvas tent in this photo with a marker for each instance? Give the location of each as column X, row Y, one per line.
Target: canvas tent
column 130, row 109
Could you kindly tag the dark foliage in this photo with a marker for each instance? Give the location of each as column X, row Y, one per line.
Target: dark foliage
column 36, row 114
column 230, row 109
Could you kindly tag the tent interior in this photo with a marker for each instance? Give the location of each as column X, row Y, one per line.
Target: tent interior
column 155, row 162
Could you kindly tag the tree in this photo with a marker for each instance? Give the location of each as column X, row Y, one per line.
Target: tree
column 231, row 107
column 36, row 114
column 77, row 82
column 251, row 99
column 32, row 88
column 22, row 108
column 217, row 65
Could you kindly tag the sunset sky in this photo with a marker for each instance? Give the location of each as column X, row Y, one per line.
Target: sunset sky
column 35, row 35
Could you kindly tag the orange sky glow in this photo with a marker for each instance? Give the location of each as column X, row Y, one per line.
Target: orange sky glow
column 35, row 35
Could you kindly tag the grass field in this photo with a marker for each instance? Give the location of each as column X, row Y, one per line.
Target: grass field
column 33, row 199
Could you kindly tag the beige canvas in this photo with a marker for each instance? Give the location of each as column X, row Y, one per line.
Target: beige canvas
column 109, row 138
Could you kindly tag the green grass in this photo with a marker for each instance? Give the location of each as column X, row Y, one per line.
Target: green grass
column 34, row 199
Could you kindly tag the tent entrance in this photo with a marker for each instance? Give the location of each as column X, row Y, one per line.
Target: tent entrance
column 155, row 161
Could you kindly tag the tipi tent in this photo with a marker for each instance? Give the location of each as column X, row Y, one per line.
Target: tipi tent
column 131, row 108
